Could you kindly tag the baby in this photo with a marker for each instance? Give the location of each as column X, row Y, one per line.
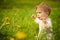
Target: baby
column 43, row 11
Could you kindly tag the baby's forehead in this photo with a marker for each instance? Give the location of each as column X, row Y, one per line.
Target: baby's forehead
column 39, row 9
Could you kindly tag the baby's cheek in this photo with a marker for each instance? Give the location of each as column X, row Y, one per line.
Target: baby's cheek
column 43, row 17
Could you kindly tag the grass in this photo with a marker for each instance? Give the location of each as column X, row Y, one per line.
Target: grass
column 19, row 18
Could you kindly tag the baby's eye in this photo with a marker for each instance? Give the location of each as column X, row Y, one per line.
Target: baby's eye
column 39, row 12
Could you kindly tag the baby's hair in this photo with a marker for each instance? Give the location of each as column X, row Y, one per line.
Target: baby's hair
column 44, row 7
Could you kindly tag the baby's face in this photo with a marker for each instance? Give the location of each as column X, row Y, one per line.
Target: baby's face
column 41, row 14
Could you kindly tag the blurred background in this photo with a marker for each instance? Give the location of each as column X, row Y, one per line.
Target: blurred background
column 16, row 22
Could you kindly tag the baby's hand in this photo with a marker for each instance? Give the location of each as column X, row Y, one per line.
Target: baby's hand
column 33, row 16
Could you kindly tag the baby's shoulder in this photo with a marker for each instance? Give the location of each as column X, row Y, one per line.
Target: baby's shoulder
column 49, row 19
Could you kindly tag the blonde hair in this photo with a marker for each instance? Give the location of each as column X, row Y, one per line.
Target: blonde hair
column 44, row 7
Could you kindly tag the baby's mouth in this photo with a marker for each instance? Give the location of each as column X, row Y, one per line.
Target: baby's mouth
column 40, row 18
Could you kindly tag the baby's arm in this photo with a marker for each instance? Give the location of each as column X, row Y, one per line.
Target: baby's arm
column 35, row 18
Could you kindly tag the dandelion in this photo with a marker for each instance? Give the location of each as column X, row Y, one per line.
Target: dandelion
column 18, row 25
column 20, row 35
column 11, row 38
column 7, row 20
column 7, row 23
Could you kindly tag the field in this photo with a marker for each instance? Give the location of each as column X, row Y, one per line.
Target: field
column 16, row 22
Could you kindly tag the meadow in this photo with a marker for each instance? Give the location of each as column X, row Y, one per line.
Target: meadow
column 16, row 22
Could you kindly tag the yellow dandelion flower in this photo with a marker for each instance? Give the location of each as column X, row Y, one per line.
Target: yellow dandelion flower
column 18, row 25
column 7, row 23
column 11, row 38
column 20, row 35
column 7, row 18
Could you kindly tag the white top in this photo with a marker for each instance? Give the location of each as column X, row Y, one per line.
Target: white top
column 41, row 24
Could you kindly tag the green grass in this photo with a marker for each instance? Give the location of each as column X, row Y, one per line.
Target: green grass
column 20, row 13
